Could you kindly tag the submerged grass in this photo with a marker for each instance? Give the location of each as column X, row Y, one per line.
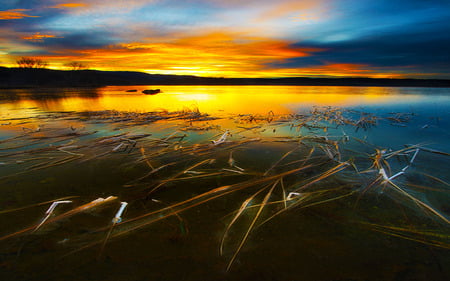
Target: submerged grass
column 296, row 161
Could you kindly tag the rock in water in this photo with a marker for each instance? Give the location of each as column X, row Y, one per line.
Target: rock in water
column 151, row 91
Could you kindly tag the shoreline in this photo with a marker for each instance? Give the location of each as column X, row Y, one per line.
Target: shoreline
column 23, row 78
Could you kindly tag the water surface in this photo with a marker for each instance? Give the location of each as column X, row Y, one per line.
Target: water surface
column 282, row 153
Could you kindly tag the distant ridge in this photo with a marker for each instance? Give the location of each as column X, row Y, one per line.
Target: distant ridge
column 25, row 77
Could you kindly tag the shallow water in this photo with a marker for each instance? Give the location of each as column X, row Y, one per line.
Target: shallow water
column 349, row 225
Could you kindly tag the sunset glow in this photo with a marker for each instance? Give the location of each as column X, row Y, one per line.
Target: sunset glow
column 217, row 100
column 327, row 38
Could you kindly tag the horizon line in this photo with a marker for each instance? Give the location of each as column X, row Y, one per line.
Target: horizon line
column 217, row 77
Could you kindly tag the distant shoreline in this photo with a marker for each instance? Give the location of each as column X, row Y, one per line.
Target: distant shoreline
column 20, row 78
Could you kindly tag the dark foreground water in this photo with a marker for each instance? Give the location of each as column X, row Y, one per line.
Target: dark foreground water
column 225, row 183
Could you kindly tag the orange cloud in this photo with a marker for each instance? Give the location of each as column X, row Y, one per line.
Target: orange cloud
column 69, row 5
column 38, row 37
column 306, row 18
column 102, row 6
column 218, row 54
column 281, row 9
column 337, row 70
column 14, row 14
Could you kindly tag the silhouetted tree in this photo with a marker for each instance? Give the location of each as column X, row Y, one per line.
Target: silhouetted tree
column 76, row 65
column 25, row 62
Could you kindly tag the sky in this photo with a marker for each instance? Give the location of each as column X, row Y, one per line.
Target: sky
column 231, row 38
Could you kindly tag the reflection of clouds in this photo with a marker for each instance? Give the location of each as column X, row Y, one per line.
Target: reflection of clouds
column 220, row 100
column 195, row 97
column 256, row 99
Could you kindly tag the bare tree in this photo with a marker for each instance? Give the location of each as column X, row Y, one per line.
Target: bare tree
column 25, row 62
column 76, row 65
column 41, row 64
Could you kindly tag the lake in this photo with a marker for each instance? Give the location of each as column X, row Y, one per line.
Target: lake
column 225, row 183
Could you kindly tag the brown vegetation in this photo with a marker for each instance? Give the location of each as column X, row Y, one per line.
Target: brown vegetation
column 27, row 62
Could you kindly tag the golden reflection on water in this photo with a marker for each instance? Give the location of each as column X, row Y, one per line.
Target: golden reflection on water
column 212, row 99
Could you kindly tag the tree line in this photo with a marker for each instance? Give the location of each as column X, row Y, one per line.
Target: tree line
column 27, row 62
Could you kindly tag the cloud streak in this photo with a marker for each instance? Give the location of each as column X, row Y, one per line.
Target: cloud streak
column 15, row 14
column 39, row 37
column 69, row 5
column 211, row 54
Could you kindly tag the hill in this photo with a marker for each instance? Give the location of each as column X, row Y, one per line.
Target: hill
column 26, row 77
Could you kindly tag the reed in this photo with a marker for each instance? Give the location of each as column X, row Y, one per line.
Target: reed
column 311, row 156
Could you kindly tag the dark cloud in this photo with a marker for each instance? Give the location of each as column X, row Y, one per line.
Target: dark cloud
column 74, row 42
column 424, row 50
column 80, row 41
